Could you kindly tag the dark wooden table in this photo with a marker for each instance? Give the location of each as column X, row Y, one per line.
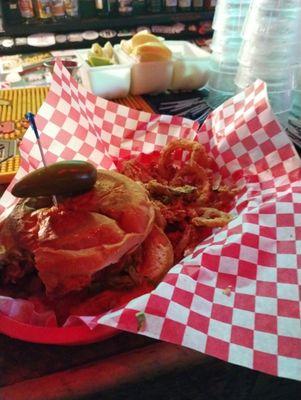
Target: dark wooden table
column 129, row 366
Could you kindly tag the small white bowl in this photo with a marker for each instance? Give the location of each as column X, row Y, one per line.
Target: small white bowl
column 146, row 77
column 108, row 81
column 190, row 65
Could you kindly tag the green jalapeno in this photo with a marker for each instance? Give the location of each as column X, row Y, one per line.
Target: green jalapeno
column 61, row 178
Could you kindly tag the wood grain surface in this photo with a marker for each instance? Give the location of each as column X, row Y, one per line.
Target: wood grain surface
column 129, row 367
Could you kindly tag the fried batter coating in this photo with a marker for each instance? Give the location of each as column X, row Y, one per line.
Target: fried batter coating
column 189, row 199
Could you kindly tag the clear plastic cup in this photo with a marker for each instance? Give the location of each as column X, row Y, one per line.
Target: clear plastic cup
column 272, row 55
column 297, row 78
column 219, row 64
column 217, row 97
column 296, row 94
column 222, row 43
column 296, row 109
column 297, row 50
column 294, row 123
column 229, row 15
column 294, row 129
column 222, row 80
column 267, row 47
column 226, row 58
column 274, row 75
column 276, row 79
column 270, row 27
column 280, row 87
column 229, row 25
column 296, row 104
column 260, row 39
column 296, row 113
column 295, row 119
column 220, row 37
column 274, row 22
column 280, row 101
column 279, row 4
column 283, row 117
column 232, row 9
column 228, row 30
column 277, row 87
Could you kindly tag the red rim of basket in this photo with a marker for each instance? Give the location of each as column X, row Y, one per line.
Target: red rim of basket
column 71, row 335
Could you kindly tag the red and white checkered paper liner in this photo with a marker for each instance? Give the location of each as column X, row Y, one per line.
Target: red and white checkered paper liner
column 257, row 325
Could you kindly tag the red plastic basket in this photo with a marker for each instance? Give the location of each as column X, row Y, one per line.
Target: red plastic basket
column 73, row 335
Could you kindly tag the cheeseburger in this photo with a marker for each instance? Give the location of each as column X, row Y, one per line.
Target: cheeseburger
column 101, row 245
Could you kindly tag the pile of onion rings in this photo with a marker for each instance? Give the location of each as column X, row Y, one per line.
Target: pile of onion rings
column 186, row 191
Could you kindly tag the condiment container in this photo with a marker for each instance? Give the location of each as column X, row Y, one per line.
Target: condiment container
column 108, row 81
column 146, row 77
column 190, row 65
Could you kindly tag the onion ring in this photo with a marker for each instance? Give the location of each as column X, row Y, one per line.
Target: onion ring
column 197, row 154
column 198, row 177
column 211, row 218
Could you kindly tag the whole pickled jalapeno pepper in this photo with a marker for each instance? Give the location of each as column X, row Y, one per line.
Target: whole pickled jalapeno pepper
column 61, row 178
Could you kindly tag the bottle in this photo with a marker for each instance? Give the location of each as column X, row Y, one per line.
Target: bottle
column 197, row 5
column 139, row 7
column 42, row 9
column 102, row 7
column 13, row 12
column 87, row 8
column 171, row 6
column 71, row 7
column 58, row 8
column 184, row 5
column 125, row 7
column 26, row 9
column 154, row 6
column 210, row 4
column 113, row 6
